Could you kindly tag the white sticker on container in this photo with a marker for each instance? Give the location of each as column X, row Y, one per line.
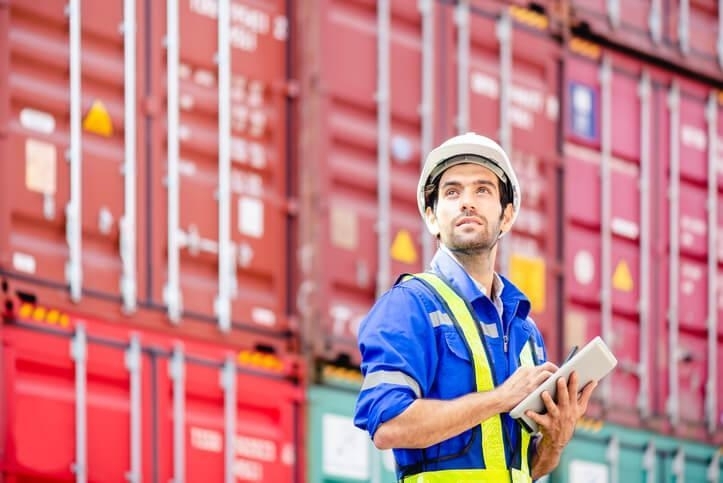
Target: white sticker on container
column 584, row 267
column 204, row 78
column 39, row 121
column 263, row 316
column 345, row 448
column 245, row 255
column 186, row 168
column 22, row 262
column 251, row 217
column 402, row 149
column 693, row 137
column 204, row 439
column 484, row 85
column 625, row 228
column 256, row 448
column 344, row 225
column 40, row 162
column 248, row 470
column 288, row 454
column 588, row 472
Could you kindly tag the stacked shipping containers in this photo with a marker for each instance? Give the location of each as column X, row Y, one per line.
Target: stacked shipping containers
column 619, row 164
column 149, row 183
column 145, row 193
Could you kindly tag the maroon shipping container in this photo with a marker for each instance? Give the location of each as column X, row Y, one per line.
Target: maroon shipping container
column 88, row 401
column 145, row 169
column 642, row 190
column 382, row 82
column 683, row 33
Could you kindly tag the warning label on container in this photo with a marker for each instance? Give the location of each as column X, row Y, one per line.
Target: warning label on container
column 98, row 121
column 403, row 249
column 622, row 279
column 528, row 273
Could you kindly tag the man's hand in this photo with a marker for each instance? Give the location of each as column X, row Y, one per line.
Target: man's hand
column 523, row 381
column 558, row 424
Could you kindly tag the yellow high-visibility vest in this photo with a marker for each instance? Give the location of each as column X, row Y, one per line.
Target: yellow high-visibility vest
column 493, row 447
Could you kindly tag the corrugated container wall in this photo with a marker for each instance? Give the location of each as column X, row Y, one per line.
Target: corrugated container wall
column 686, row 34
column 601, row 452
column 85, row 400
column 145, row 168
column 642, row 244
column 382, row 82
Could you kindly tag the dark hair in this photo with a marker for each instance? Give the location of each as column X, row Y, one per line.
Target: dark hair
column 431, row 193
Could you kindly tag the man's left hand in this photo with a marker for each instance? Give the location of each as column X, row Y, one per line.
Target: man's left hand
column 558, row 424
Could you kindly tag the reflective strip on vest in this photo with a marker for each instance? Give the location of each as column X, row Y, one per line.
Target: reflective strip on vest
column 493, row 448
column 470, row 476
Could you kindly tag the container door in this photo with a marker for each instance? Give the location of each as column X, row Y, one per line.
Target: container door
column 360, row 226
column 72, row 173
column 689, row 198
column 220, row 424
column 75, row 409
column 219, row 163
column 608, row 202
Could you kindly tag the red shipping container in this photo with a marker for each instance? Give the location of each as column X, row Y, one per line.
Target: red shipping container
column 626, row 194
column 171, row 209
column 89, row 401
column 381, row 86
column 683, row 33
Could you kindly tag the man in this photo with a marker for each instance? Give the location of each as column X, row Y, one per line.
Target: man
column 448, row 353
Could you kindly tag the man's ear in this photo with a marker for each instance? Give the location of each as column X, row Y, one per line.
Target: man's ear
column 431, row 220
column 506, row 224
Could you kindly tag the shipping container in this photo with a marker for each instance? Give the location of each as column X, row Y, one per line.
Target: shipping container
column 599, row 453
column 145, row 168
column 642, row 246
column 381, row 83
column 85, row 400
column 337, row 451
column 685, row 34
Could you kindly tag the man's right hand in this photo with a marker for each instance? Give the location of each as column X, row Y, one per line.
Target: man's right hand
column 523, row 381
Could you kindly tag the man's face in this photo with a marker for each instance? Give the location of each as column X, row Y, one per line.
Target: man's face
column 468, row 215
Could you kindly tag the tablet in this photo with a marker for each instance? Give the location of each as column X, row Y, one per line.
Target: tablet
column 592, row 363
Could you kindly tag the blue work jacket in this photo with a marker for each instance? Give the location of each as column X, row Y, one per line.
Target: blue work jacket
column 406, row 356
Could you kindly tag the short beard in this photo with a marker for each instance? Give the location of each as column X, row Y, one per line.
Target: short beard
column 483, row 244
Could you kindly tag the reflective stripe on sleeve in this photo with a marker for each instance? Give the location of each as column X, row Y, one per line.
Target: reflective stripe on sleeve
column 397, row 378
column 440, row 318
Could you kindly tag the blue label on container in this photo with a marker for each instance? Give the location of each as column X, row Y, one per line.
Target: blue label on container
column 583, row 111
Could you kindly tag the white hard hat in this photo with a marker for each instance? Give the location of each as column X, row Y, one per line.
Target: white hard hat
column 469, row 148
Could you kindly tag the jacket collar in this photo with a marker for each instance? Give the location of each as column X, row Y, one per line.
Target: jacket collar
column 513, row 300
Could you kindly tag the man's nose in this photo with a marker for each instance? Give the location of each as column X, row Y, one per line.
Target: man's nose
column 467, row 201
